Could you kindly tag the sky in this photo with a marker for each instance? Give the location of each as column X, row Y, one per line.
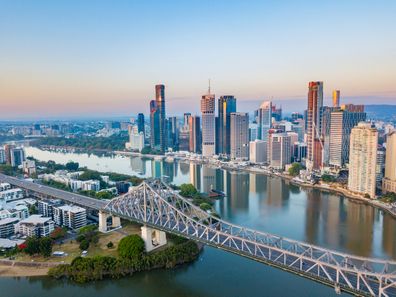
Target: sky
column 70, row 58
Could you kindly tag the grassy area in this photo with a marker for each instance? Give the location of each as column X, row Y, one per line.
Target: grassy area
column 72, row 248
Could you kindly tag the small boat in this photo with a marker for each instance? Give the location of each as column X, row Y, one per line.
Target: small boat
column 216, row 193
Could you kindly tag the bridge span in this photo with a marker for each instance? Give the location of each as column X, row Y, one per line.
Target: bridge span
column 156, row 205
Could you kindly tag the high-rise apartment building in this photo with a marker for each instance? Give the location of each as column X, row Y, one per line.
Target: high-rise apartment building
column 194, row 124
column 279, row 150
column 314, row 122
column 158, row 120
column 208, row 125
column 226, row 106
column 363, row 159
column 341, row 123
column 336, row 98
column 239, row 136
column 389, row 181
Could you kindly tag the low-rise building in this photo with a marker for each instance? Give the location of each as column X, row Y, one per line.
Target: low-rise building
column 35, row 225
column 29, row 167
column 71, row 216
column 91, row 185
column 4, row 187
column 7, row 227
column 10, row 195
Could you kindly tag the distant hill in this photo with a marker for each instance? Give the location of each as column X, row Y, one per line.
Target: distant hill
column 381, row 112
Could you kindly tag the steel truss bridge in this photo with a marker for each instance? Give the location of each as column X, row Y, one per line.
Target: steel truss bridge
column 156, row 205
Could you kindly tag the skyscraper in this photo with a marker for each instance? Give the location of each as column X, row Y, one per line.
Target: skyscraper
column 239, row 135
column 314, row 122
column 194, row 124
column 158, row 120
column 389, row 181
column 264, row 119
column 363, row 159
column 336, row 98
column 208, row 124
column 341, row 123
column 279, row 150
column 140, row 123
column 154, row 126
column 226, row 106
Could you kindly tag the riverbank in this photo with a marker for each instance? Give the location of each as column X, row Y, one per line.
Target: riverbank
column 330, row 188
column 10, row 268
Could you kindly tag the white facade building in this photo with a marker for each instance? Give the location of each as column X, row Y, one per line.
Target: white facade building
column 208, row 125
column 363, row 159
column 35, row 225
column 389, row 181
column 258, row 151
column 71, row 216
column 279, row 150
column 136, row 139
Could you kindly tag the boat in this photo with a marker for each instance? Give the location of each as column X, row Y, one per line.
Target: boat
column 216, row 193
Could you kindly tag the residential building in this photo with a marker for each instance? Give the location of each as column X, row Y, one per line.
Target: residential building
column 70, row 216
column 46, row 207
column 258, row 151
column 29, row 167
column 279, row 150
column 91, row 185
column 158, row 120
column 7, row 227
column 17, row 156
column 239, row 136
column 226, row 106
column 208, row 124
column 389, row 181
column 362, row 159
column 11, row 194
column 379, row 173
column 35, row 225
column 314, row 121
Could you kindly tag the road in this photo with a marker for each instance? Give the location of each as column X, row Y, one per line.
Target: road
column 45, row 191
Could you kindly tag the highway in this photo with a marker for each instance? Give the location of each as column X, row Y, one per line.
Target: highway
column 42, row 191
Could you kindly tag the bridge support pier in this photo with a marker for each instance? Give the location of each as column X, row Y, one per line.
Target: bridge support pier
column 153, row 238
column 115, row 222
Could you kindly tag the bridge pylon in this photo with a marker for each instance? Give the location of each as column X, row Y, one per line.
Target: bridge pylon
column 153, row 238
column 115, row 222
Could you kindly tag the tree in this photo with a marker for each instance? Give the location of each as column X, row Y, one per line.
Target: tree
column 131, row 247
column 188, row 190
column 32, row 246
column 58, row 233
column 72, row 166
column 110, row 245
column 104, row 195
column 328, row 178
column 45, row 246
column 205, row 206
column 84, row 245
column 295, row 169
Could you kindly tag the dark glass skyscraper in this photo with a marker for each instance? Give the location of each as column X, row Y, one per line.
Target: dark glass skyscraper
column 158, row 120
column 227, row 105
column 140, row 123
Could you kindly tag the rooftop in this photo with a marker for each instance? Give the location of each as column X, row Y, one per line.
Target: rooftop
column 36, row 219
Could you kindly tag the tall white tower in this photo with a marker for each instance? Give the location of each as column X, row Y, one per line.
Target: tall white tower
column 208, row 124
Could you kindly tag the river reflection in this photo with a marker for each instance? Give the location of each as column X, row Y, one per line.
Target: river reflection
column 269, row 204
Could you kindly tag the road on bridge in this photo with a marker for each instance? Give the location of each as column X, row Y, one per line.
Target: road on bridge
column 50, row 192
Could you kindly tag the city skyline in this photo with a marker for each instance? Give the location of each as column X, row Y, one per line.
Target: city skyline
column 63, row 60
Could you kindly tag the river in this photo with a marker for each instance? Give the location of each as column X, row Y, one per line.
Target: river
column 264, row 203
